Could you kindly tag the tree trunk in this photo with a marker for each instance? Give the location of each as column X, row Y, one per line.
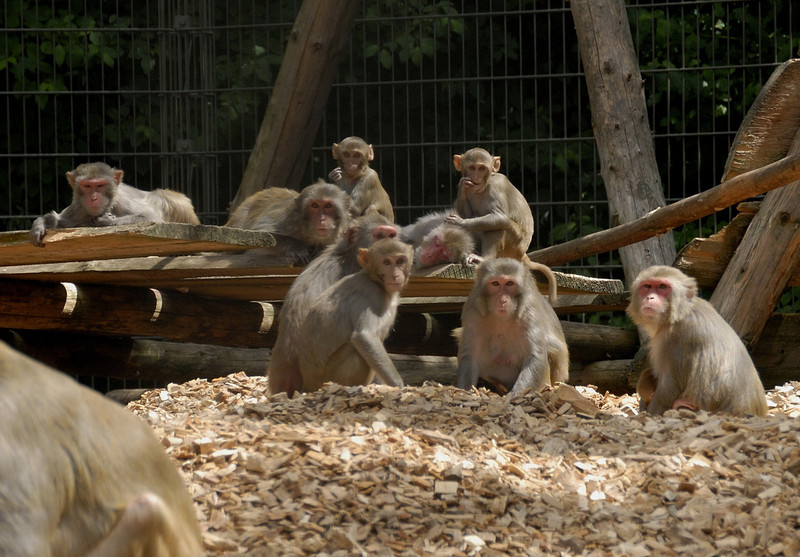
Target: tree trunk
column 619, row 119
column 319, row 36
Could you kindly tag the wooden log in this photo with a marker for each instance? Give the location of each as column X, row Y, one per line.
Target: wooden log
column 320, row 34
column 775, row 357
column 619, row 119
column 759, row 271
column 129, row 311
column 664, row 219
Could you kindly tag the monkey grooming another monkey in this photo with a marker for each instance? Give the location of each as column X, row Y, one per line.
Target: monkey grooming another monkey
column 100, row 198
column 509, row 332
column 356, row 315
column 360, row 181
column 436, row 242
column 315, row 217
column 82, row 476
column 336, row 262
column 490, row 207
column 697, row 360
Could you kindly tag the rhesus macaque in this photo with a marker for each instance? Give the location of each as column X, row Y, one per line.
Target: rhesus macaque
column 82, row 476
column 436, row 242
column 697, row 360
column 343, row 334
column 355, row 177
column 490, row 207
column 509, row 332
column 101, row 198
column 336, row 262
column 316, row 216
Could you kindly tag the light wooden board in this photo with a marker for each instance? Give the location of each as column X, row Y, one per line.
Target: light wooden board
column 135, row 240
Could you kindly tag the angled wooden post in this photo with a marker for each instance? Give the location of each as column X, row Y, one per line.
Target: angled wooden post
column 319, row 36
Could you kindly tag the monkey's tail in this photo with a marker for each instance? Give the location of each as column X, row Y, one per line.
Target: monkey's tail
column 552, row 287
column 176, row 207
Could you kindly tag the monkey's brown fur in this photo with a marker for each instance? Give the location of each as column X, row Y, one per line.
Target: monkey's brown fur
column 696, row 358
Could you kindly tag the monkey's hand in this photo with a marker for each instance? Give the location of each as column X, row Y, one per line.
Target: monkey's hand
column 40, row 226
column 104, row 220
column 335, row 175
column 472, row 259
column 454, row 219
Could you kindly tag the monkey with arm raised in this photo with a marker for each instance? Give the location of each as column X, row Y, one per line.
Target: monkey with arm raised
column 82, row 476
column 490, row 207
column 101, row 198
column 697, row 360
column 337, row 261
column 355, row 315
column 360, row 181
column 509, row 332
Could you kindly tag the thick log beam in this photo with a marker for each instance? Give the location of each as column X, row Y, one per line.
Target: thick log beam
column 664, row 219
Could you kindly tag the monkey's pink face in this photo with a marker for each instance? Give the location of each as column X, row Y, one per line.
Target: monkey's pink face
column 323, row 213
column 653, row 296
column 392, row 269
column 502, row 290
column 475, row 176
column 434, row 252
column 383, row 231
column 94, row 195
column 353, row 163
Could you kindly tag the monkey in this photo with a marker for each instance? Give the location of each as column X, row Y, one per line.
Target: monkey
column 489, row 206
column 509, row 332
column 315, row 217
column 81, row 475
column 356, row 315
column 697, row 360
column 337, row 261
column 101, row 198
column 360, row 181
column 436, row 242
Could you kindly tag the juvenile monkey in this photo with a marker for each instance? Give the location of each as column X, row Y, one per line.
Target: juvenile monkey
column 101, row 198
column 81, row 475
column 697, row 360
column 436, row 242
column 316, row 216
column 360, row 181
column 336, row 262
column 356, row 315
column 509, row 332
column 490, row 207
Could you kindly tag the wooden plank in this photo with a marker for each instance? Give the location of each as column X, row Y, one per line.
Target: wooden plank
column 250, row 276
column 135, row 240
column 768, row 129
column 620, row 124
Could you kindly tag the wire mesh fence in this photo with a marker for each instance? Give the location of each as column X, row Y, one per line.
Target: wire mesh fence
column 173, row 92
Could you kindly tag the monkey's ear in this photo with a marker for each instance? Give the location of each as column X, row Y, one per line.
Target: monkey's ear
column 118, row 176
column 71, row 178
column 370, row 153
column 457, row 162
column 363, row 257
column 495, row 164
column 335, row 151
column 351, row 235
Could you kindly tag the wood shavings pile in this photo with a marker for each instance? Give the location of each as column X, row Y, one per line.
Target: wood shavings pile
column 434, row 470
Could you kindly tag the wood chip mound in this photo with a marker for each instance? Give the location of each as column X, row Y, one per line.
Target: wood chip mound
column 434, row 470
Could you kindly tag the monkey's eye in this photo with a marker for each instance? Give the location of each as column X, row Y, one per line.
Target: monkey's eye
column 314, row 205
column 495, row 283
column 510, row 283
column 328, row 205
column 663, row 286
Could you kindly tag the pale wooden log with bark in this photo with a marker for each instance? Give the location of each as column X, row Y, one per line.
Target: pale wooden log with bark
column 320, row 34
column 619, row 119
